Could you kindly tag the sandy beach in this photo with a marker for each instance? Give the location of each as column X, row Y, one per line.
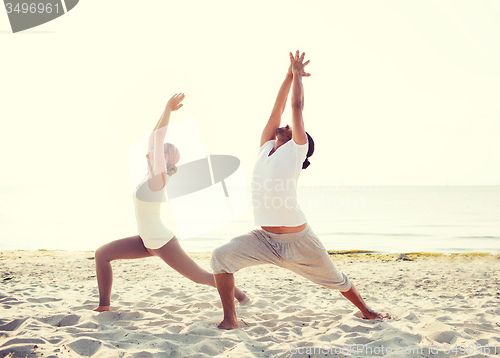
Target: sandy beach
column 437, row 302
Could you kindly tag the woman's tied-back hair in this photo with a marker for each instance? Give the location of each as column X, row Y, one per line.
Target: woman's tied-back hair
column 173, row 158
column 310, row 151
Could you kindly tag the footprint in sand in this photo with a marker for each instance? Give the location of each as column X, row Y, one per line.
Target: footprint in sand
column 60, row 320
column 86, row 347
column 107, row 317
column 449, row 337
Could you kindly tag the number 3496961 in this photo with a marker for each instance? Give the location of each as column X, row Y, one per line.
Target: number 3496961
column 32, row 8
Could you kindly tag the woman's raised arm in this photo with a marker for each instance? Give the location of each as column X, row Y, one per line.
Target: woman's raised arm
column 157, row 163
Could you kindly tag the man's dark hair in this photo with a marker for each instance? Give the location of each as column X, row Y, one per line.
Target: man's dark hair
column 310, row 151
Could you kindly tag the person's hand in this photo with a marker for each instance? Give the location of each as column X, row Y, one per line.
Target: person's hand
column 174, row 103
column 297, row 65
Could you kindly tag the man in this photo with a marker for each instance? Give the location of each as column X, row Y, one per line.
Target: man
column 285, row 239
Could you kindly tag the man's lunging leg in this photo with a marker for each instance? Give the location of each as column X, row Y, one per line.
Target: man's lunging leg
column 225, row 286
column 356, row 299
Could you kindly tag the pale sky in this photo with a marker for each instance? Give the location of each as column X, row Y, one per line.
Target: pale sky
column 401, row 93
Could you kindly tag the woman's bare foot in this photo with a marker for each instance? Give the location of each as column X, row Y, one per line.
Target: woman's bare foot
column 244, row 300
column 228, row 325
column 103, row 308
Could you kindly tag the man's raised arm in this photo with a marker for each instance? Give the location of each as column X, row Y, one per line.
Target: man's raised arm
column 269, row 132
column 298, row 130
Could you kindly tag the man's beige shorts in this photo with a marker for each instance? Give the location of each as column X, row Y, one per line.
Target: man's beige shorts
column 301, row 252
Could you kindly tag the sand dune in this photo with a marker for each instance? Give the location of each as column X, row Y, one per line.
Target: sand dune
column 47, row 299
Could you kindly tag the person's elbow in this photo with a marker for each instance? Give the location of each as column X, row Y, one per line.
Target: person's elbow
column 297, row 105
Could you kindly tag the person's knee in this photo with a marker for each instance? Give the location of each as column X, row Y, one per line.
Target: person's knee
column 217, row 254
column 217, row 259
column 100, row 254
column 345, row 288
column 338, row 281
column 345, row 285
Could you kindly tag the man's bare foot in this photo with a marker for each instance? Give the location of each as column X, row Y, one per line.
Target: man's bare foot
column 228, row 325
column 370, row 314
column 103, row 308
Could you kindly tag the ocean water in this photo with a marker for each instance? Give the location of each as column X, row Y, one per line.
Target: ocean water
column 387, row 219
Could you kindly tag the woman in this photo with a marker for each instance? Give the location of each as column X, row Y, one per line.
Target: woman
column 154, row 238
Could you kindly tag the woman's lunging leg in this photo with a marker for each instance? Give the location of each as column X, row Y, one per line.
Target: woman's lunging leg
column 128, row 248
